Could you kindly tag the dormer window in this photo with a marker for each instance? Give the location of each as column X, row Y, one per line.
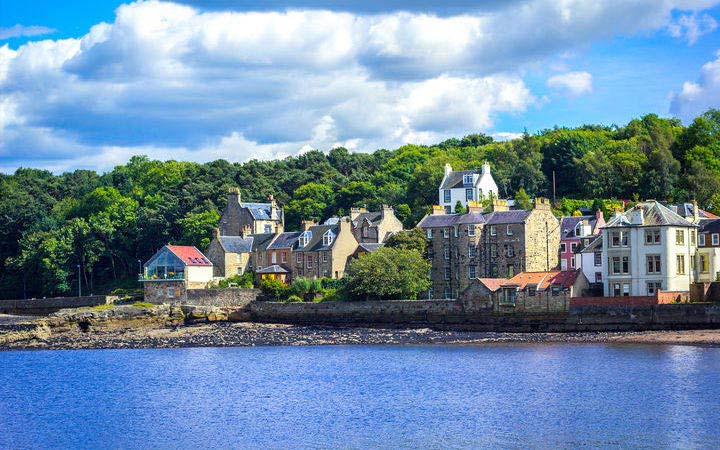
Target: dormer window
column 328, row 238
column 468, row 179
column 304, row 238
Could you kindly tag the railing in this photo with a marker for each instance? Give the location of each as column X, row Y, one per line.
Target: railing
column 161, row 276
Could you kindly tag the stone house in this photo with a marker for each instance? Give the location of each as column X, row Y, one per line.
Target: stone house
column 576, row 232
column 230, row 254
column 323, row 250
column 374, row 226
column 242, row 218
column 707, row 262
column 648, row 248
column 465, row 186
column 172, row 270
column 498, row 243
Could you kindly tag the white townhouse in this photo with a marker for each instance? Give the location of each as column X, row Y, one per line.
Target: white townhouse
column 648, row 248
column 592, row 261
column 464, row 186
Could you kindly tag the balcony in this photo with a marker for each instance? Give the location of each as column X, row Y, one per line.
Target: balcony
column 161, row 276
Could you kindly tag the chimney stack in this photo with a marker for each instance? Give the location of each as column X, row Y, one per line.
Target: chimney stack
column 542, row 203
column 486, row 168
column 386, row 210
column 246, row 231
column 638, row 215
column 448, row 169
column 500, row 205
column 437, row 210
column 234, row 196
column 306, row 224
column 696, row 213
column 355, row 212
column 474, row 207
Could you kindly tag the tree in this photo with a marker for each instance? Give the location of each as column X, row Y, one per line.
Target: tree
column 459, row 208
column 522, row 200
column 408, row 240
column 388, row 273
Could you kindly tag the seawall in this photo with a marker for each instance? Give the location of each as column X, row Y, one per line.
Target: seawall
column 49, row 305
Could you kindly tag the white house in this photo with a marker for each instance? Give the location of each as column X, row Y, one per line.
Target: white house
column 646, row 249
column 464, row 186
column 592, row 261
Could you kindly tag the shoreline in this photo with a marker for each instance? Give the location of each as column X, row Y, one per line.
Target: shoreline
column 32, row 335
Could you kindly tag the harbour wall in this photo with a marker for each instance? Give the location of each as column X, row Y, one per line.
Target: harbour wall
column 34, row 306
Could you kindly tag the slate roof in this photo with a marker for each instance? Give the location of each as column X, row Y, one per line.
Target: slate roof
column 448, row 220
column 261, row 211
column 709, row 226
column 568, row 224
column 273, row 269
column 514, row 216
column 455, row 179
column 370, row 246
column 543, row 280
column 687, row 210
column 654, row 214
column 189, row 255
column 284, row 240
column 236, row 244
column 316, row 239
column 261, row 241
column 372, row 217
column 593, row 245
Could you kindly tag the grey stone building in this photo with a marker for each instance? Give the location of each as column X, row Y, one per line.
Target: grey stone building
column 244, row 218
column 374, row 226
column 323, row 250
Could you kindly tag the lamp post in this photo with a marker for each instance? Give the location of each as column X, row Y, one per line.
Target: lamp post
column 79, row 281
column 140, row 271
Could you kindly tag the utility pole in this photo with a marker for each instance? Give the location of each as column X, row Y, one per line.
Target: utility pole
column 79, row 282
column 553, row 186
column 547, row 240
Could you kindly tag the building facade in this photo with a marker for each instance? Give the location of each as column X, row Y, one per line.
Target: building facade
column 464, row 186
column 576, row 232
column 374, row 227
column 172, row 270
column 707, row 261
column 323, row 250
column 242, row 218
column 648, row 248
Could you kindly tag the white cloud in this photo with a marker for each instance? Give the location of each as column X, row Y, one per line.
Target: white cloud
column 18, row 30
column 692, row 26
column 169, row 78
column 572, row 83
column 696, row 97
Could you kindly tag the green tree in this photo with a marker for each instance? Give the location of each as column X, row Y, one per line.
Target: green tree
column 413, row 239
column 388, row 273
column 522, row 200
column 459, row 208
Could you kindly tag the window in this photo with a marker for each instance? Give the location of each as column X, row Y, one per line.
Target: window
column 324, row 257
column 652, row 237
column 598, row 277
column 471, row 230
column 274, row 257
column 455, row 231
column 493, row 250
column 309, row 261
column 448, row 209
column 446, row 253
column 493, row 231
column 446, row 233
column 572, row 262
column 680, row 237
column 328, row 238
column 626, row 264
column 429, row 233
column 467, row 179
column 299, row 258
column 692, row 237
column 283, row 257
column 573, row 247
column 365, row 232
column 448, row 293
column 653, row 263
column 615, row 239
column 468, row 194
column 681, row 264
column 447, row 273
column 653, row 287
column 617, row 290
column 510, row 270
column 598, row 259
column 446, row 196
column 471, row 251
column 508, row 231
column 624, row 235
column 268, row 228
column 472, row 272
column 701, row 240
column 555, row 291
column 304, row 238
column 704, row 265
column 563, row 247
column 171, row 292
column 626, row 290
column 531, row 291
column 715, row 239
column 509, row 250
column 620, row 265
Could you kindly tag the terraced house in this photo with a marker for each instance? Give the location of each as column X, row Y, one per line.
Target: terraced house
column 648, row 248
column 708, row 251
column 323, row 250
column 496, row 243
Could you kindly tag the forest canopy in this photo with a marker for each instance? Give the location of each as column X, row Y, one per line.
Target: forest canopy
column 107, row 223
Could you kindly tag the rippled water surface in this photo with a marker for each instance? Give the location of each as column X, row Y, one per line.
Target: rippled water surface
column 508, row 396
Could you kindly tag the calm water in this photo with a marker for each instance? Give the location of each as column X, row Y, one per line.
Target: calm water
column 509, row 396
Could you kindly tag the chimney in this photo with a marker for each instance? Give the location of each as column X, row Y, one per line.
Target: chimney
column 437, row 210
column 500, row 205
column 344, row 224
column 486, row 168
column 355, row 212
column 618, row 212
column 448, row 169
column 234, row 196
column 246, row 231
column 638, row 215
column 474, row 207
column 216, row 233
column 273, row 207
column 696, row 213
column 386, row 211
column 306, row 224
column 542, row 203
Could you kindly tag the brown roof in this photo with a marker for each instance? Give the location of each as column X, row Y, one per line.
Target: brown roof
column 543, row 280
column 493, row 284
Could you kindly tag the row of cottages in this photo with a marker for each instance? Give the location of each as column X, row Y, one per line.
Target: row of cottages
column 538, row 292
column 495, row 243
column 242, row 242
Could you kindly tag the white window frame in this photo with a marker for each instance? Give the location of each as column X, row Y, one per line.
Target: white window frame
column 563, row 247
column 447, row 197
column 472, row 272
column 328, row 238
column 679, row 237
column 447, row 274
column 680, row 265
column 653, row 262
column 446, row 253
column 493, row 230
column 597, row 259
column 467, row 179
column 472, row 252
column 299, row 258
column 309, row 261
column 508, row 230
column 429, row 233
column 304, row 238
column 446, row 233
column 701, row 240
column 273, row 257
column 715, row 239
column 471, row 230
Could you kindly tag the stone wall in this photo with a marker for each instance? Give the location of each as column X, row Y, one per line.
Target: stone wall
column 233, row 297
column 50, row 305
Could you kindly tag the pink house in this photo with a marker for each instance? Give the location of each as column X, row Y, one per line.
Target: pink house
column 575, row 233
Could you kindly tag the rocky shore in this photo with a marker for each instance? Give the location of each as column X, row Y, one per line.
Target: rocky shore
column 167, row 327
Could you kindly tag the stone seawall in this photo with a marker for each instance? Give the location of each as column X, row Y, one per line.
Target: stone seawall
column 50, row 305
column 448, row 314
column 233, row 297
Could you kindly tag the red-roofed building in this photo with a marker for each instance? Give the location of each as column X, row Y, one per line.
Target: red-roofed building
column 172, row 270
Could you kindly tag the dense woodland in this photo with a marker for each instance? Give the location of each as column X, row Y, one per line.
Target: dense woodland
column 105, row 223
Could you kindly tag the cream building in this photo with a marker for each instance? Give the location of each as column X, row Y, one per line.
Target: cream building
column 646, row 249
column 707, row 260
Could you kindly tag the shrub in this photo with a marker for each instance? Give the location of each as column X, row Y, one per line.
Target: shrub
column 245, row 280
column 293, row 299
column 306, row 288
column 274, row 289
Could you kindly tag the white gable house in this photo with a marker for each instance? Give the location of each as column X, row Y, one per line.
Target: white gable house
column 466, row 185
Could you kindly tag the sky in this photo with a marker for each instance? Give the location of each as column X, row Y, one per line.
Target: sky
column 88, row 84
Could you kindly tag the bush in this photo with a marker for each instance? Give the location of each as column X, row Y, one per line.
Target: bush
column 245, row 281
column 333, row 295
column 307, row 288
column 332, row 283
column 274, row 289
column 293, row 299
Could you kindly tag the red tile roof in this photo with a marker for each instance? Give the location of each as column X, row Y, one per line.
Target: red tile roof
column 543, row 280
column 493, row 284
column 189, row 255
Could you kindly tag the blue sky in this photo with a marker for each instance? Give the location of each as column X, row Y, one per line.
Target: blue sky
column 87, row 84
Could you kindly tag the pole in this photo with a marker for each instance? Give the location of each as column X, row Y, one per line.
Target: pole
column 547, row 244
column 79, row 281
column 140, row 271
column 553, row 186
